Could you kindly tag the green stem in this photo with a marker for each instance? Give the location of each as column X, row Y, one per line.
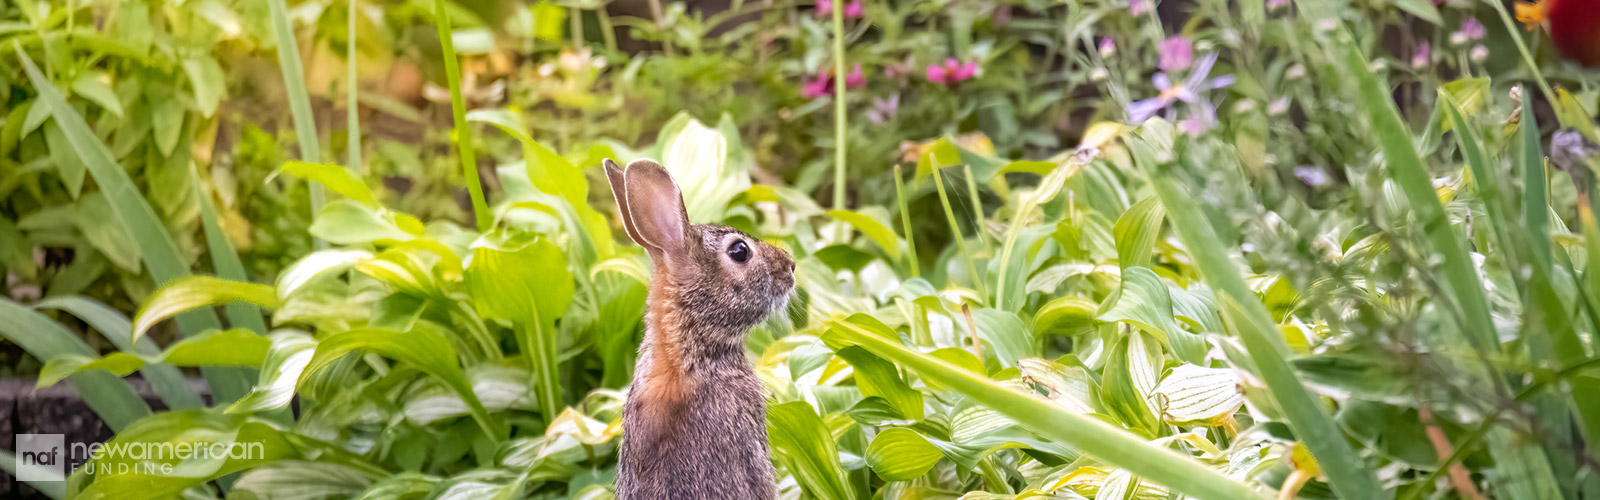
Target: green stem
column 977, row 209
column 294, row 83
column 458, row 107
column 955, row 232
column 838, row 113
column 905, row 222
column 1527, row 56
column 352, row 97
column 607, row 31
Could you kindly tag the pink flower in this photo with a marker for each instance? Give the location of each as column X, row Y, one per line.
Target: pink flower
column 1137, row 7
column 952, row 72
column 852, row 10
column 814, row 88
column 822, row 84
column 1274, row 5
column 1107, row 47
column 855, row 80
column 1423, row 56
column 1176, row 53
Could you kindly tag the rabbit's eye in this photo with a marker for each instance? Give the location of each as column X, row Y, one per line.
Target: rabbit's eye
column 739, row 252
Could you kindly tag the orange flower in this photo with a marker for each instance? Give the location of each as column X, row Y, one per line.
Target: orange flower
column 1530, row 14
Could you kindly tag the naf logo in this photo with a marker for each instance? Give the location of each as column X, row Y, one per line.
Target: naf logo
column 41, row 457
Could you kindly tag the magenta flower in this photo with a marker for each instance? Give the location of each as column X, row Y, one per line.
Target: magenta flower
column 818, row 87
column 854, row 80
column 1107, row 47
column 1274, row 5
column 1189, row 90
column 1423, row 56
column 852, row 10
column 884, row 109
column 1176, row 53
column 1138, row 7
column 952, row 72
column 822, row 84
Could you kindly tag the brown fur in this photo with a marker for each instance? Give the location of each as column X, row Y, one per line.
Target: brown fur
column 694, row 424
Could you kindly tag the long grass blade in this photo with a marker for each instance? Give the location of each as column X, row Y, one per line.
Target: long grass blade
column 1346, row 471
column 167, row 381
column 352, row 101
column 458, row 108
column 156, row 246
column 912, row 263
column 294, row 83
column 955, row 233
column 1528, row 474
column 108, row 395
column 53, row 489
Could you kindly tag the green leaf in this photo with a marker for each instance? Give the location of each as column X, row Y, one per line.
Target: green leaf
column 1423, row 9
column 302, row 480
column 1130, row 380
column 334, row 177
column 802, row 443
column 207, row 81
column 97, row 221
column 110, row 397
column 1144, row 301
column 1092, row 436
column 69, row 166
column 347, row 222
column 1069, row 386
column 1136, row 231
column 237, row 347
column 878, row 378
column 286, row 358
column 191, row 292
column 89, row 85
column 167, row 381
column 533, row 287
column 873, row 228
column 1197, row 394
column 1064, row 315
column 699, row 159
column 423, row 348
column 249, row 443
column 901, row 454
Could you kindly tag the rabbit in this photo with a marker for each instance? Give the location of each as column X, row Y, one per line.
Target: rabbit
column 694, row 424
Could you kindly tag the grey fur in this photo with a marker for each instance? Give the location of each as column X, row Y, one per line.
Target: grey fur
column 711, row 441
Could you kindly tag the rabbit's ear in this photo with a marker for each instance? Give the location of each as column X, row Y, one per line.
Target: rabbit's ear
column 655, row 210
column 620, row 193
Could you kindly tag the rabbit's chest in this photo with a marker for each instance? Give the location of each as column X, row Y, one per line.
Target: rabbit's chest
column 713, row 445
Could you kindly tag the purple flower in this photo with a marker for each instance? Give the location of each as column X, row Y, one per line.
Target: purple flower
column 952, row 72
column 1312, row 175
column 1107, row 47
column 884, row 109
column 1423, row 56
column 1176, row 53
column 1188, row 90
column 1472, row 28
